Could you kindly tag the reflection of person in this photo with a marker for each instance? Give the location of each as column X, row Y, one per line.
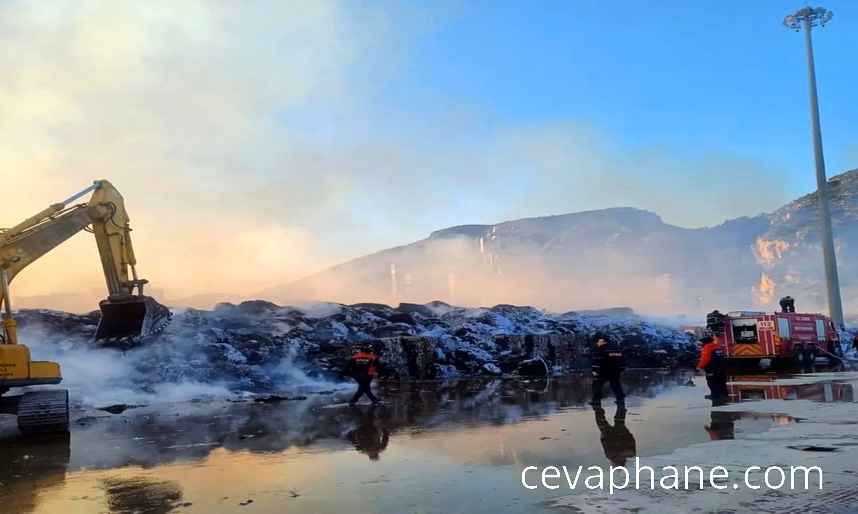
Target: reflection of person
column 363, row 367
column 721, row 426
column 608, row 366
column 367, row 437
column 617, row 441
column 714, row 363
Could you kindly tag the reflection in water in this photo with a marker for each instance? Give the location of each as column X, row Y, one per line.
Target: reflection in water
column 140, row 495
column 722, row 425
column 32, row 464
column 367, row 437
column 617, row 441
column 765, row 387
column 453, row 446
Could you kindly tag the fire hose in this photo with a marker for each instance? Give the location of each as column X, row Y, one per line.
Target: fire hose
column 838, row 357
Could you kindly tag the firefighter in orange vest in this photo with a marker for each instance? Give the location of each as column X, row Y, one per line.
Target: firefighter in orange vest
column 363, row 367
column 714, row 363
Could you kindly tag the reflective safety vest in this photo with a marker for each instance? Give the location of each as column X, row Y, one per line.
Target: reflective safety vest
column 363, row 364
column 712, row 358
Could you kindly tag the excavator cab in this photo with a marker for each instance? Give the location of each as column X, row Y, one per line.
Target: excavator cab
column 37, row 411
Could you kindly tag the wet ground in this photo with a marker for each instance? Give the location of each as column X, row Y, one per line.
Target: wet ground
column 455, row 447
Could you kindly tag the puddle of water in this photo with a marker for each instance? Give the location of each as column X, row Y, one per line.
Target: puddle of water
column 453, row 447
column 767, row 387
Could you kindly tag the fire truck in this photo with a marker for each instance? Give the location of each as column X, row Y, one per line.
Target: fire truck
column 778, row 336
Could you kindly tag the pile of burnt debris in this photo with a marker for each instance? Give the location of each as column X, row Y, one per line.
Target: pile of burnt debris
column 258, row 345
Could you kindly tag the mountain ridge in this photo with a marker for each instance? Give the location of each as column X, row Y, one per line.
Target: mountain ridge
column 559, row 261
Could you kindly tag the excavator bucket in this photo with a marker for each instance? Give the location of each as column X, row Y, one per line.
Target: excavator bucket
column 125, row 322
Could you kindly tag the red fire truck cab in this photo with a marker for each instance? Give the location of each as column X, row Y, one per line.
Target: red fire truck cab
column 776, row 336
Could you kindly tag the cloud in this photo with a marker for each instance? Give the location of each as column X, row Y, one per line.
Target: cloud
column 177, row 103
column 568, row 167
column 249, row 143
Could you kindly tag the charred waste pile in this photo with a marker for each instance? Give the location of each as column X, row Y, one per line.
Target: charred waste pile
column 261, row 347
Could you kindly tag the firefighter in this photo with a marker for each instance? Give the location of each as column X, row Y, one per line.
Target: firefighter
column 617, row 441
column 714, row 363
column 608, row 365
column 363, row 367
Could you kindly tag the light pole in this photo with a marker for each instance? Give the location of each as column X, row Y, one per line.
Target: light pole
column 807, row 18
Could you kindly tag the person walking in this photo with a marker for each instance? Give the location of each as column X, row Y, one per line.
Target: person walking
column 363, row 367
column 714, row 363
column 608, row 366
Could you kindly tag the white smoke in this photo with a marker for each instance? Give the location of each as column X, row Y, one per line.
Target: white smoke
column 184, row 363
column 99, row 377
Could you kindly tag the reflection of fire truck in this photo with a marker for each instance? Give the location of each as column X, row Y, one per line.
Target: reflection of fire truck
column 776, row 336
column 755, row 387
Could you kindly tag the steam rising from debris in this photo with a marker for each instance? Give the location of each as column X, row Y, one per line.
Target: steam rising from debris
column 98, row 378
column 186, row 362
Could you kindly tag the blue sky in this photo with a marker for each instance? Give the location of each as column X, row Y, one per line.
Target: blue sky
column 689, row 76
column 666, row 104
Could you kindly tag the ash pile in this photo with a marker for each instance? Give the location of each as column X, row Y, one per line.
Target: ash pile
column 258, row 346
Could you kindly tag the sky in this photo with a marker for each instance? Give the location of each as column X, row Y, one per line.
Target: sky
column 259, row 142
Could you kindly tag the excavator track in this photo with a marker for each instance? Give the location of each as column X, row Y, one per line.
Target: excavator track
column 44, row 411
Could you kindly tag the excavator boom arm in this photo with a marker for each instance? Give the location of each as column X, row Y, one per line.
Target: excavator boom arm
column 112, row 230
column 19, row 250
column 26, row 242
column 124, row 313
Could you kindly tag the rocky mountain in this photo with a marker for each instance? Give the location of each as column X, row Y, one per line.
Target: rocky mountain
column 790, row 255
column 620, row 256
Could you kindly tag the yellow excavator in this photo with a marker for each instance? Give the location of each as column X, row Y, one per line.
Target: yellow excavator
column 127, row 315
